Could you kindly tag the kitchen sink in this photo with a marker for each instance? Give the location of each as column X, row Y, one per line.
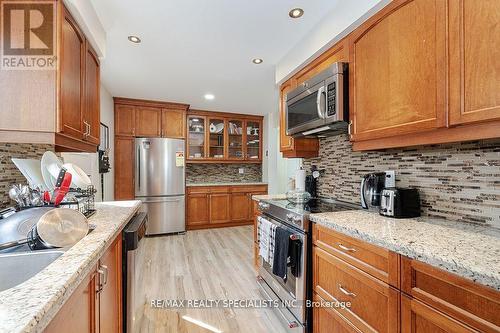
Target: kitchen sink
column 20, row 266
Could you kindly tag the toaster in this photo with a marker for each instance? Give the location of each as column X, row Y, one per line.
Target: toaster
column 400, row 202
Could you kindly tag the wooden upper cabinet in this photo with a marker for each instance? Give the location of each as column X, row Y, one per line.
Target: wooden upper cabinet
column 474, row 61
column 398, row 70
column 124, row 120
column 338, row 52
column 124, row 172
column 219, row 137
column 147, row 121
column 173, row 123
column 286, row 142
column 236, row 135
column 253, row 142
column 91, row 114
column 72, row 62
column 196, row 140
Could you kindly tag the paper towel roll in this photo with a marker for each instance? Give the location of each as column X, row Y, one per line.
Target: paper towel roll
column 300, row 180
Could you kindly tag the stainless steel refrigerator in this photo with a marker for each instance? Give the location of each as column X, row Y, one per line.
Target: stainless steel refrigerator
column 159, row 183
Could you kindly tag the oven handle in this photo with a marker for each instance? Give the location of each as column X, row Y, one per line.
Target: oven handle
column 321, row 92
column 263, row 288
column 295, row 235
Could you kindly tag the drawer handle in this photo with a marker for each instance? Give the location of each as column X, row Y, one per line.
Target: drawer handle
column 345, row 248
column 345, row 291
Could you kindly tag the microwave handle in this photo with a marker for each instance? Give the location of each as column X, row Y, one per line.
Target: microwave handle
column 321, row 92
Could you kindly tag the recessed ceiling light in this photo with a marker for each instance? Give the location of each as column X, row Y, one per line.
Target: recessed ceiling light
column 209, row 97
column 257, row 61
column 134, row 39
column 296, row 13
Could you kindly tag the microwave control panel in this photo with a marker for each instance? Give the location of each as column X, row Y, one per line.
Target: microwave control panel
column 331, row 99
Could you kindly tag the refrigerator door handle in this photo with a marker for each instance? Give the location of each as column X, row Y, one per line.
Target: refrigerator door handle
column 163, row 200
column 138, row 168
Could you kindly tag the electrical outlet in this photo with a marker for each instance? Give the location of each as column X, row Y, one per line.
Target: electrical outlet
column 241, row 170
column 390, row 178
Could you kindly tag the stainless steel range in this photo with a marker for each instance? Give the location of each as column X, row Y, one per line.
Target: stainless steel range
column 297, row 288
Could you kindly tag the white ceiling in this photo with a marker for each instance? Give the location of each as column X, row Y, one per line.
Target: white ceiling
column 193, row 47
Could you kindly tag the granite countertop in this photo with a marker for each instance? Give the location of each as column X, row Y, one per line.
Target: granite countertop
column 226, row 184
column 30, row 306
column 260, row 197
column 468, row 250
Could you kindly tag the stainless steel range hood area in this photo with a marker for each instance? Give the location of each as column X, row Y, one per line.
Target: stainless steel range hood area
column 319, row 106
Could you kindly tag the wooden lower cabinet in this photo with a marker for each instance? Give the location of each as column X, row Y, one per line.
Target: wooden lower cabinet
column 329, row 320
column 110, row 297
column 374, row 260
column 457, row 297
column 240, row 206
column 220, row 206
column 96, row 304
column 416, row 317
column 197, row 209
column 427, row 299
column 374, row 305
column 79, row 312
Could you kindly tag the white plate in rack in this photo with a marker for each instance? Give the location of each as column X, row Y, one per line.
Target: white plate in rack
column 32, row 171
column 51, row 166
column 79, row 178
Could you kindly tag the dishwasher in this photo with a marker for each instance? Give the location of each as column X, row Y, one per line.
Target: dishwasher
column 133, row 262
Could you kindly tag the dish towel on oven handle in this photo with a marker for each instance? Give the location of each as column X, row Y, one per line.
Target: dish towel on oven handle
column 281, row 252
column 265, row 235
column 272, row 236
column 264, row 230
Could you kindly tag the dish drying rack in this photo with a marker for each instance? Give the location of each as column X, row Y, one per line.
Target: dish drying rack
column 82, row 200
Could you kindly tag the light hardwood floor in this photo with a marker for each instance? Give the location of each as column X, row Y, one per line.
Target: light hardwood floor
column 204, row 264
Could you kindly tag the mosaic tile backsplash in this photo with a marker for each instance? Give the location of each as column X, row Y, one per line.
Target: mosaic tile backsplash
column 9, row 174
column 459, row 181
column 223, row 173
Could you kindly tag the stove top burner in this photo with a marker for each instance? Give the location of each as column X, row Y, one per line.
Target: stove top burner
column 314, row 206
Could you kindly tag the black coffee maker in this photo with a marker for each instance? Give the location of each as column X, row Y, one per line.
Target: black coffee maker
column 372, row 185
column 312, row 182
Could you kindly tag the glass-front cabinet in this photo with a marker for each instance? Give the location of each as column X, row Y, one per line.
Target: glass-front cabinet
column 216, row 138
column 253, row 144
column 235, row 132
column 196, row 137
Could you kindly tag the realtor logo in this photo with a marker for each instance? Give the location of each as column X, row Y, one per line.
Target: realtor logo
column 28, row 35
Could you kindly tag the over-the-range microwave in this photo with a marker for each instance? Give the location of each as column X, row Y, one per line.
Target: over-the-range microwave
column 319, row 106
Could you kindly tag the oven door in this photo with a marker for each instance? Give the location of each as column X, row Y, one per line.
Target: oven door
column 292, row 290
column 307, row 110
